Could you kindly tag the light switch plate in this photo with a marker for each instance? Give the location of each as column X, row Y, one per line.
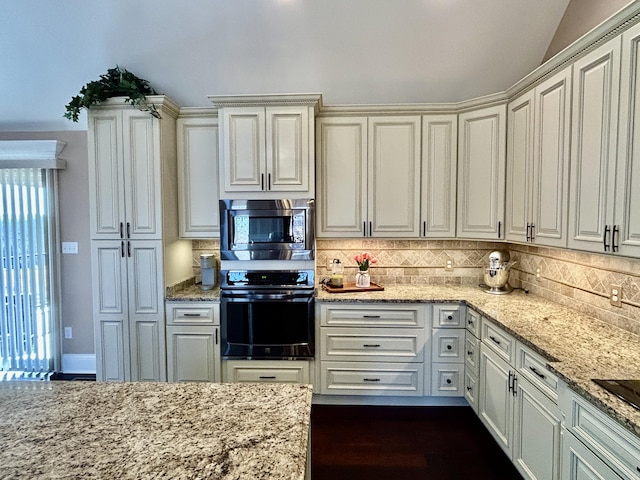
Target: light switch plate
column 70, row 247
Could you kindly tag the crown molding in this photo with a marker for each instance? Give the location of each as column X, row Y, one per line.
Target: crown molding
column 198, row 112
column 285, row 99
column 32, row 154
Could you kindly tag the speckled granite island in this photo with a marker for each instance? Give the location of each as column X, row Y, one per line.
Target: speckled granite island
column 153, row 430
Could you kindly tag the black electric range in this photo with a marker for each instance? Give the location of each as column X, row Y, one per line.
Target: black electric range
column 627, row 390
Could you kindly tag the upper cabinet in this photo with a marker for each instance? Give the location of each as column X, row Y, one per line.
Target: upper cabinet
column 266, row 146
column 593, row 149
column 481, row 173
column 198, row 177
column 439, row 169
column 368, row 171
column 538, row 163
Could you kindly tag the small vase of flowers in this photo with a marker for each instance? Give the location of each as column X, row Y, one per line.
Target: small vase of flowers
column 364, row 261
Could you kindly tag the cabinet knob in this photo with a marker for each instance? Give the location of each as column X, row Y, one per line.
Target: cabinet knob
column 469, row 389
column 449, row 317
column 449, row 381
column 449, row 347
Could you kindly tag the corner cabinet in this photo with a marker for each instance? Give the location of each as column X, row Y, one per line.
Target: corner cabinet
column 198, row 177
column 132, row 161
column 538, row 163
column 266, row 145
column 368, row 171
column 481, row 173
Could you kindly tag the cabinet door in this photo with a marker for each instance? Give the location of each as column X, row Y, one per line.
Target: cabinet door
column 288, row 153
column 536, row 435
column 243, row 149
column 495, row 402
column 110, row 310
column 142, row 175
column 579, row 463
column 481, row 173
column 198, row 180
column 341, row 162
column 519, row 168
column 146, row 311
column 627, row 213
column 593, row 146
column 439, row 167
column 193, row 354
column 394, row 173
column 106, row 183
column 550, row 192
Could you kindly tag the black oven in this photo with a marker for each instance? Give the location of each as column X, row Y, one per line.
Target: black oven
column 267, row 314
column 267, row 229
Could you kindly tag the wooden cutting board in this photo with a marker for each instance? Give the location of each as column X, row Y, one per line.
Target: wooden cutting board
column 351, row 287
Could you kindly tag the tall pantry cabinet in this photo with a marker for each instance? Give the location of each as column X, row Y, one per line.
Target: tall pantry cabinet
column 133, row 214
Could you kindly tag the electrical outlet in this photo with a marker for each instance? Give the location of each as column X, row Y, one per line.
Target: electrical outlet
column 615, row 295
column 537, row 274
column 449, row 265
column 70, row 247
column 68, row 332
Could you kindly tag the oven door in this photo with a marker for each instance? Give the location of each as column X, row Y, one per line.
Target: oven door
column 267, row 325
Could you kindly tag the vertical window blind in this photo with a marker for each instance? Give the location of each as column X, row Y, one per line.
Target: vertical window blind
column 26, row 329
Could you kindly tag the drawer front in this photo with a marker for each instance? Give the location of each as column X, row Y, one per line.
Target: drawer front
column 193, row 313
column 612, row 443
column 448, row 345
column 267, row 372
column 374, row 345
column 447, row 380
column 473, row 322
column 499, row 341
column 448, row 316
column 471, row 390
column 472, row 354
column 352, row 378
column 371, row 316
column 534, row 368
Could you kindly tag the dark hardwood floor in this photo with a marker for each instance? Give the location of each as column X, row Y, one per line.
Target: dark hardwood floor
column 397, row 443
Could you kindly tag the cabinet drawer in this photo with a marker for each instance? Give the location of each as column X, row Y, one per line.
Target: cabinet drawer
column 266, row 371
column 533, row 367
column 499, row 341
column 371, row 316
column 448, row 316
column 617, row 447
column 447, row 379
column 471, row 390
column 351, row 378
column 366, row 344
column 473, row 322
column 193, row 313
column 472, row 354
column 448, row 345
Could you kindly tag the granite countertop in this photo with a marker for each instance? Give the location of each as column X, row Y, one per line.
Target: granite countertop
column 153, row 430
column 578, row 348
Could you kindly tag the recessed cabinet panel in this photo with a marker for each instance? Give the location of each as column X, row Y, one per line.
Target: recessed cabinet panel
column 191, row 354
column 145, row 276
column 447, row 380
column 448, row 345
column 110, row 278
column 360, row 344
column 351, row 378
column 244, row 147
column 111, row 357
column 263, row 371
column 373, row 316
column 147, row 351
column 287, row 143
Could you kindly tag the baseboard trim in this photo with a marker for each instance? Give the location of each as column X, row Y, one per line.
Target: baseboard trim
column 79, row 363
column 389, row 401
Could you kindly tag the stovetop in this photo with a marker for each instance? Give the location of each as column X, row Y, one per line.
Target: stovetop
column 627, row 390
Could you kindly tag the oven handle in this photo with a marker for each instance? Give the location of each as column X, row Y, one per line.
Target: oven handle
column 264, row 296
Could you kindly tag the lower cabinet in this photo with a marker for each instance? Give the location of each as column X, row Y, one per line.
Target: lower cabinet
column 472, row 358
column 447, row 350
column 266, row 371
column 523, row 421
column 580, row 463
column 193, row 341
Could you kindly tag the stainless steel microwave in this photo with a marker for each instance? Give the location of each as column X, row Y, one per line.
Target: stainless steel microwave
column 267, row 229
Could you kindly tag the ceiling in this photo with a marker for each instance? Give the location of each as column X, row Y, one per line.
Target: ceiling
column 351, row 51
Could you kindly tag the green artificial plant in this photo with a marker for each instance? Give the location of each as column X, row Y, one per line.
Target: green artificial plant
column 117, row 82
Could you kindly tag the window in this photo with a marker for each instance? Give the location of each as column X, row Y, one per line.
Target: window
column 28, row 271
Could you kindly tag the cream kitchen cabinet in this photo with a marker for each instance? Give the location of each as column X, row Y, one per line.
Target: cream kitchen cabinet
column 447, row 350
column 133, row 215
column 538, row 163
column 372, row 349
column 481, row 173
column 473, row 323
column 193, row 341
column 266, row 371
column 525, row 423
column 439, row 176
column 596, row 80
column 368, row 171
column 198, row 177
column 266, row 146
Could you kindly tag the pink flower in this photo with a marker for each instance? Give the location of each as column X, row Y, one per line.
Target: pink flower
column 364, row 259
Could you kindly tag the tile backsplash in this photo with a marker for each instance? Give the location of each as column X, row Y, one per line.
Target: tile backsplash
column 578, row 280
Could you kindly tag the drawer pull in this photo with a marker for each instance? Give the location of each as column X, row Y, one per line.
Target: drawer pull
column 449, row 347
column 469, row 389
column 469, row 322
column 371, row 345
column 449, row 317
column 267, row 377
column 371, row 379
column 448, row 381
column 494, row 339
column 470, row 353
column 535, row 370
column 371, row 316
column 191, row 314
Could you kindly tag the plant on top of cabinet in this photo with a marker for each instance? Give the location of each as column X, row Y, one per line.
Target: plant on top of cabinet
column 117, row 82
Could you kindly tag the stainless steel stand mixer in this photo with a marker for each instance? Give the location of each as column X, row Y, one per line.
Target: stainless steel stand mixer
column 496, row 275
